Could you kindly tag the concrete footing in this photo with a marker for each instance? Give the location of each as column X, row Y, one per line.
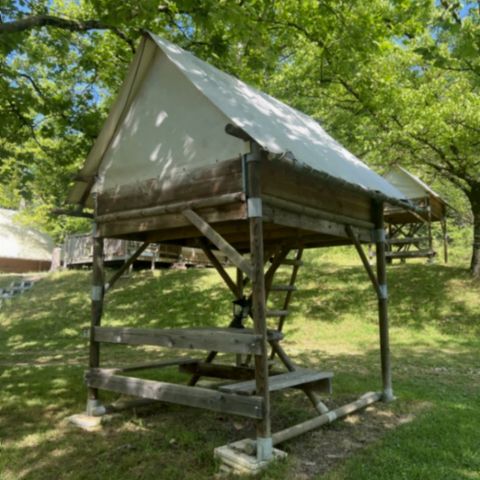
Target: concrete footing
column 86, row 422
column 239, row 458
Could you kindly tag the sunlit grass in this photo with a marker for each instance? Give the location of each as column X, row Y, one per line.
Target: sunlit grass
column 435, row 327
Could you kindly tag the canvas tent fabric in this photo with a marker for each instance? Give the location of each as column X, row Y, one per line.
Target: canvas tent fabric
column 22, row 242
column 171, row 113
column 410, row 185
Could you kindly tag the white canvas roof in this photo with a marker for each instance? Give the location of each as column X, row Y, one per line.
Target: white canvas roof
column 410, row 185
column 22, row 242
column 172, row 110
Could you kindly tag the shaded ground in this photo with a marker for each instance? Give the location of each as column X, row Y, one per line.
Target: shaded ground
column 430, row 432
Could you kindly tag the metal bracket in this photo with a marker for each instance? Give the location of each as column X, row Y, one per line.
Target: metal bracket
column 382, row 291
column 378, row 235
column 97, row 292
column 254, row 207
column 264, row 448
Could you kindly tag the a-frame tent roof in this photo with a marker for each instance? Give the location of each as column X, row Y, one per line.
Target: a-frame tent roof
column 161, row 71
column 410, row 185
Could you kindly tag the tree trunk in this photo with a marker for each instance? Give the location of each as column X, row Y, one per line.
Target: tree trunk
column 474, row 197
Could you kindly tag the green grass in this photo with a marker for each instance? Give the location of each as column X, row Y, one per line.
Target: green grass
column 430, row 432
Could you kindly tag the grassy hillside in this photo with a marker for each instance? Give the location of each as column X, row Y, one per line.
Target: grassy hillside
column 430, row 432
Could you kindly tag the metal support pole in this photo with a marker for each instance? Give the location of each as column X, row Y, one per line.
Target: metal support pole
column 253, row 164
column 383, row 302
column 98, row 291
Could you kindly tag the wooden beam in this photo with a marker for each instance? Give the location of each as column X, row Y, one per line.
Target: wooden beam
column 306, row 222
column 229, row 340
column 316, row 213
column 383, row 302
column 111, row 282
column 301, row 428
column 160, row 364
column 364, row 259
column 176, row 207
column 232, row 254
column 98, row 279
column 216, row 370
column 253, row 176
column 179, row 394
column 219, row 268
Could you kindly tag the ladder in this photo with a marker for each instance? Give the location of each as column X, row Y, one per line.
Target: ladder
column 295, row 263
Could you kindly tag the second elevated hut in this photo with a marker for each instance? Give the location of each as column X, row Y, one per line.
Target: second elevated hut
column 192, row 156
column 410, row 232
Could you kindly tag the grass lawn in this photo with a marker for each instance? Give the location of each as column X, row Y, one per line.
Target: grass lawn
column 432, row 430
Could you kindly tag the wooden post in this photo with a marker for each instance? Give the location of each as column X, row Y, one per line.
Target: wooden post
column 264, row 434
column 430, row 236
column 98, row 291
column 382, row 301
column 445, row 240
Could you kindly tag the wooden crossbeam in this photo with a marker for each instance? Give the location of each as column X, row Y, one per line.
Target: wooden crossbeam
column 219, row 268
column 179, row 394
column 236, row 258
column 229, row 340
column 364, row 259
column 125, row 266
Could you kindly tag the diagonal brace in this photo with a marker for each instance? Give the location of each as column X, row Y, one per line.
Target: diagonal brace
column 364, row 259
column 207, row 230
column 124, row 267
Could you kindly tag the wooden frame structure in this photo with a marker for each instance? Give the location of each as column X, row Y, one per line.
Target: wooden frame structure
column 252, row 223
column 257, row 181
column 410, row 232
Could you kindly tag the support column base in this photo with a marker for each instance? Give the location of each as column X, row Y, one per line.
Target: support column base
column 239, row 458
column 388, row 396
column 95, row 408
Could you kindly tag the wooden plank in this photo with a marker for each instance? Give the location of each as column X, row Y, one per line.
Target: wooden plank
column 412, row 254
column 403, row 241
column 125, row 266
column 253, row 165
column 97, row 297
column 174, row 207
column 178, row 394
column 160, row 364
column 217, row 370
column 305, row 186
column 138, row 227
column 312, row 224
column 178, row 185
column 219, row 268
column 230, row 340
column 299, row 377
column 235, row 257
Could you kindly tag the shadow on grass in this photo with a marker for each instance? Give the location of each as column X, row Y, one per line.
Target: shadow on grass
column 166, row 441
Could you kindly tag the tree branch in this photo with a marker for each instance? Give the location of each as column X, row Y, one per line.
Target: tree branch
column 38, row 21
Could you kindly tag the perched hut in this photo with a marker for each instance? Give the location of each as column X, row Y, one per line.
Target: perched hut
column 22, row 248
column 410, row 232
column 192, row 156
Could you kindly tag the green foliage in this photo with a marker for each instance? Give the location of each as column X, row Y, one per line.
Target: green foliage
column 396, row 81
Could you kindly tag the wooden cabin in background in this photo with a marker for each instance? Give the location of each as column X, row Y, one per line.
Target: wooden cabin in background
column 410, row 232
column 78, row 252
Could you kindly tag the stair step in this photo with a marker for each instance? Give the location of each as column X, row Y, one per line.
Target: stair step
column 277, row 313
column 284, row 380
column 283, row 288
column 412, row 254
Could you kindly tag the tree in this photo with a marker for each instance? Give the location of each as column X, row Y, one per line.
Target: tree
column 61, row 63
column 398, row 82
